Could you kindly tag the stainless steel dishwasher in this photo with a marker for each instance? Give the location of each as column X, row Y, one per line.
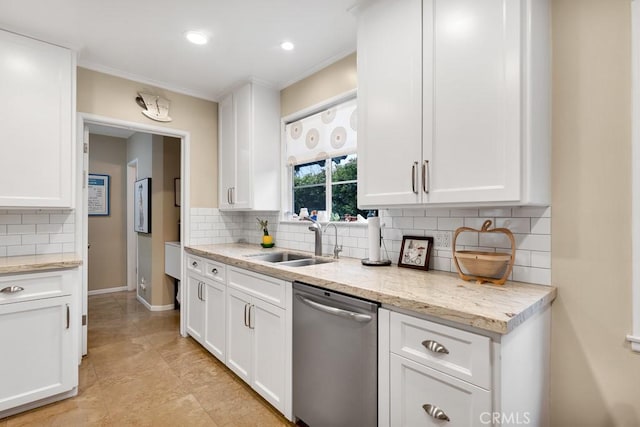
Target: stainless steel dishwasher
column 335, row 359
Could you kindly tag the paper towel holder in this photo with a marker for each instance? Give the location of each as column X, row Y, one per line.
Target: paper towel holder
column 380, row 263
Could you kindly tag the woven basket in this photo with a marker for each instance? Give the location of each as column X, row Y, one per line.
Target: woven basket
column 481, row 266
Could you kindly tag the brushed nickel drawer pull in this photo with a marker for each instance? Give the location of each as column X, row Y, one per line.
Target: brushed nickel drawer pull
column 12, row 289
column 245, row 315
column 435, row 347
column 413, row 177
column 68, row 316
column 251, row 326
column 425, row 176
column 435, row 412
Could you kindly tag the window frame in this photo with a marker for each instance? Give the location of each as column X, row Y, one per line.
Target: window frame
column 328, row 183
column 286, row 201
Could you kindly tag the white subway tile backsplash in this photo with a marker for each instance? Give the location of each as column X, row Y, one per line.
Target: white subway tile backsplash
column 10, row 219
column 62, row 218
column 3, row 229
column 3, row 251
column 450, row 223
column 21, row 229
column 21, row 250
column 530, row 225
column 10, row 240
column 49, row 249
column 61, row 238
column 35, row 218
column 33, row 239
column 49, row 228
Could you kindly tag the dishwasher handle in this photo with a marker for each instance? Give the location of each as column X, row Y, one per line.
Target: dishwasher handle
column 358, row 317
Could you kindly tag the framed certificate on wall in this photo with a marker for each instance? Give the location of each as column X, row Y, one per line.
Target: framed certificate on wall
column 98, row 195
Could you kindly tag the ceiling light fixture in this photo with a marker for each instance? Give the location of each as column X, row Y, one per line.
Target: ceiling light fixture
column 287, row 46
column 196, row 37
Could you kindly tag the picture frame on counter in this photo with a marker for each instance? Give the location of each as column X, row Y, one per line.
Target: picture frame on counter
column 99, row 194
column 142, row 206
column 415, row 252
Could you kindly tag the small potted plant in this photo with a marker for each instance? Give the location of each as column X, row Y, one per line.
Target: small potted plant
column 267, row 240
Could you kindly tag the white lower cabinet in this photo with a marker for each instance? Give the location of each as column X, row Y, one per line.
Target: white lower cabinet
column 426, row 397
column 244, row 319
column 206, row 308
column 431, row 374
column 39, row 323
column 257, row 346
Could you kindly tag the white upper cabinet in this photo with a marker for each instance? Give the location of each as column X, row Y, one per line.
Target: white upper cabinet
column 37, row 83
column 249, row 149
column 454, row 103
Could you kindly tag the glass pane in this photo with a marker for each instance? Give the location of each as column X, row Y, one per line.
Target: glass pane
column 345, row 200
column 344, row 168
column 312, row 198
column 309, row 173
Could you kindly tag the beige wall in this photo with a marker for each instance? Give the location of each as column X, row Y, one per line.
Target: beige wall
column 336, row 79
column 107, row 234
column 595, row 377
column 114, row 97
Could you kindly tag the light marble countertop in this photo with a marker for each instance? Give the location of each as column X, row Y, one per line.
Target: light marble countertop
column 443, row 295
column 32, row 263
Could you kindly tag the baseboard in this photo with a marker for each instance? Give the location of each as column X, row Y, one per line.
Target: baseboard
column 154, row 307
column 107, row 291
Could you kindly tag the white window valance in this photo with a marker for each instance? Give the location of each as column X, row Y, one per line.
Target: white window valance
column 329, row 133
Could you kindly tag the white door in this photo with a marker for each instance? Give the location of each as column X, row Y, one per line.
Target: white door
column 239, row 335
column 418, row 394
column 243, row 105
column 389, row 103
column 472, row 119
column 83, row 154
column 269, row 349
column 226, row 151
column 38, row 350
column 195, row 307
column 215, row 318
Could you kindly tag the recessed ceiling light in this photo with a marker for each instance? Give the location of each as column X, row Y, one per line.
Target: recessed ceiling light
column 287, row 46
column 196, row 37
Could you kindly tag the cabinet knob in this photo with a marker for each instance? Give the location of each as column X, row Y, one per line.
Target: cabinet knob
column 12, row 289
column 195, row 264
column 214, row 271
column 435, row 412
column 435, row 347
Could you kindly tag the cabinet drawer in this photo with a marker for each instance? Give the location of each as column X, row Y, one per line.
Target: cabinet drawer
column 464, row 355
column 35, row 286
column 414, row 386
column 264, row 287
column 215, row 270
column 195, row 264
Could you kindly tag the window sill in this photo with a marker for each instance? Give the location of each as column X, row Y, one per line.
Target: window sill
column 337, row 223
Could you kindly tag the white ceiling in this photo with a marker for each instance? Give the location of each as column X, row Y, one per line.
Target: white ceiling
column 144, row 39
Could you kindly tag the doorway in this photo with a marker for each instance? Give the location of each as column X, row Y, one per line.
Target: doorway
column 132, row 170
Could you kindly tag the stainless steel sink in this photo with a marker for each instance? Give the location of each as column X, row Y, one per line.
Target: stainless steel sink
column 289, row 259
column 280, row 257
column 308, row 261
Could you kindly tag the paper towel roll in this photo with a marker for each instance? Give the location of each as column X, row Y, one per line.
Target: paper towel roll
column 374, row 238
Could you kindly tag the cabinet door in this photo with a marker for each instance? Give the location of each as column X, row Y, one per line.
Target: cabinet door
column 239, row 336
column 226, row 151
column 195, row 307
column 243, row 105
column 36, row 83
column 269, row 361
column 472, row 124
column 39, row 358
column 214, row 329
column 412, row 386
column 389, row 103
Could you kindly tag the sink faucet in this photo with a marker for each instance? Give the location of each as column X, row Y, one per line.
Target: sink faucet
column 316, row 228
column 336, row 248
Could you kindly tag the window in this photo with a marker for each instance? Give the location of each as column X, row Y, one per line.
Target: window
column 322, row 164
column 333, row 189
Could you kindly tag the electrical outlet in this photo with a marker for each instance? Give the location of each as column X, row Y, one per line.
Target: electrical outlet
column 442, row 240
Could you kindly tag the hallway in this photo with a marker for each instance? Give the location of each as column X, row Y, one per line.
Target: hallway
column 140, row 372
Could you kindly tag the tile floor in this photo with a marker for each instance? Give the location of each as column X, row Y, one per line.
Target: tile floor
column 139, row 371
